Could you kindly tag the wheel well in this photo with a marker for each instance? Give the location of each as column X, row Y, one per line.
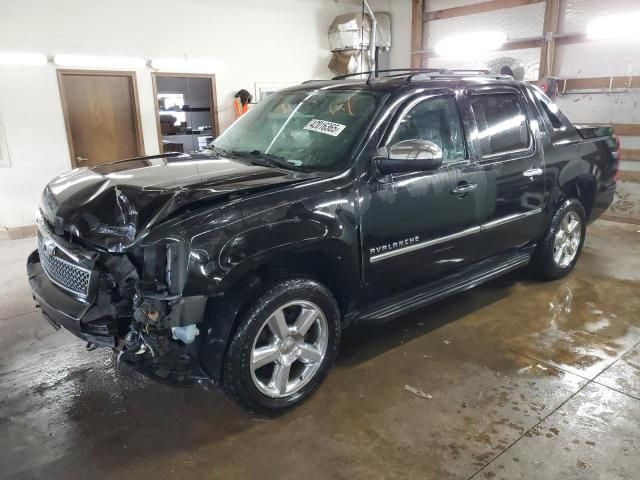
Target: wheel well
column 584, row 190
column 224, row 311
column 324, row 266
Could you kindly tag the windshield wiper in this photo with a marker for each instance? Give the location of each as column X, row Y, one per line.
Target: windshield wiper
column 220, row 151
column 274, row 160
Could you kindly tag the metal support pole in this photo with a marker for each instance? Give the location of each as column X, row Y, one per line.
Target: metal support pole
column 372, row 40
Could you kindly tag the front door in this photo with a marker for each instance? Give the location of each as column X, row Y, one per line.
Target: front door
column 513, row 164
column 101, row 116
column 420, row 225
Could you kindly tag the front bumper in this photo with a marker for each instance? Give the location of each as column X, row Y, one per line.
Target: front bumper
column 92, row 322
column 97, row 322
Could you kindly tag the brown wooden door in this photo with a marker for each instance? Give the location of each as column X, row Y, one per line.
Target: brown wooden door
column 101, row 114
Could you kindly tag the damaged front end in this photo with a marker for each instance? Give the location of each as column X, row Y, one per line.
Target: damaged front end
column 131, row 301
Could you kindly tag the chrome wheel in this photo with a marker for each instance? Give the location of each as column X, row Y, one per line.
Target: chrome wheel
column 567, row 240
column 289, row 348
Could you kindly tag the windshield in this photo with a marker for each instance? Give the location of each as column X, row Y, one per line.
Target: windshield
column 314, row 130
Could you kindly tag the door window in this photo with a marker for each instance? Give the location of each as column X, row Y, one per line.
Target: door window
column 435, row 120
column 502, row 123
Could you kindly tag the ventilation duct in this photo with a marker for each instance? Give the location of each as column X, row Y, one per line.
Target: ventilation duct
column 350, row 32
column 350, row 40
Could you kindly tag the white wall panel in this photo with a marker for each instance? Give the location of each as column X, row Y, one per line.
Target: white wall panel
column 36, row 137
column 526, row 59
column 517, row 22
column 400, row 10
column 597, row 59
column 576, row 14
column 601, row 107
column 631, row 142
column 630, row 166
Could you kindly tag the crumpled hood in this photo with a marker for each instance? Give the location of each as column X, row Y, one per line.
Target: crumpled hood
column 116, row 204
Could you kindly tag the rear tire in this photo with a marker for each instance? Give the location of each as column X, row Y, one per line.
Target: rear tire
column 560, row 248
column 285, row 344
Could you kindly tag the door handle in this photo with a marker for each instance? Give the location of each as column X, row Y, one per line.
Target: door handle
column 80, row 159
column 533, row 172
column 462, row 190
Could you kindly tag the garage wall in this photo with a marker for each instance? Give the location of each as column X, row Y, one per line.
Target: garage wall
column 603, row 59
column 516, row 23
column 251, row 40
column 579, row 60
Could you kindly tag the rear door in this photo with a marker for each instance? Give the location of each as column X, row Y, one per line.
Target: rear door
column 418, row 226
column 510, row 157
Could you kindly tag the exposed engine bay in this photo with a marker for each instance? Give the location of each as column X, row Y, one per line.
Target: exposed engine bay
column 131, row 301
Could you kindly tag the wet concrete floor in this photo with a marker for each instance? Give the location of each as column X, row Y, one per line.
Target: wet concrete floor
column 527, row 380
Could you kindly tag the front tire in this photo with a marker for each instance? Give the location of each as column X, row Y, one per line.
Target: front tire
column 561, row 246
column 284, row 346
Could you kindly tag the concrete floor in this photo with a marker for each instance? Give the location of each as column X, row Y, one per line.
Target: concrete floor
column 528, row 380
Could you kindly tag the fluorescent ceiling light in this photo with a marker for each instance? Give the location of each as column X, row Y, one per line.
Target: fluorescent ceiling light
column 95, row 61
column 22, row 59
column 468, row 44
column 194, row 65
column 619, row 27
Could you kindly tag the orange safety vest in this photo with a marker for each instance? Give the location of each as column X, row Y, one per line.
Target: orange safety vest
column 239, row 107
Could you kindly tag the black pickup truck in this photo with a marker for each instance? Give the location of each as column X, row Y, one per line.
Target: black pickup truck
column 329, row 203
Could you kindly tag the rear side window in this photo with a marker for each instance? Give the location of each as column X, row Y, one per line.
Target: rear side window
column 553, row 115
column 502, row 123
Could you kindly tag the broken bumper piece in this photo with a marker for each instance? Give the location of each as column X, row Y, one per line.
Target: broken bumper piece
column 169, row 356
column 93, row 323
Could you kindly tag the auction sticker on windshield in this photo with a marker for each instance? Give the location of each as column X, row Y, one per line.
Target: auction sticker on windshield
column 322, row 126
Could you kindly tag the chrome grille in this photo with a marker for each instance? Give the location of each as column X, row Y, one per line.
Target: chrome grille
column 67, row 275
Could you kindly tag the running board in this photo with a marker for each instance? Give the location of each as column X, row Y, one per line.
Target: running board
column 481, row 273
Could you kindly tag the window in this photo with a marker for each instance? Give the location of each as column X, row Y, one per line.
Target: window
column 554, row 117
column 309, row 129
column 186, row 111
column 173, row 103
column 502, row 123
column 437, row 121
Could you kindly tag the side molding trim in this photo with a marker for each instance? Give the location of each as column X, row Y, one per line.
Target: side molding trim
column 509, row 218
column 454, row 236
column 428, row 243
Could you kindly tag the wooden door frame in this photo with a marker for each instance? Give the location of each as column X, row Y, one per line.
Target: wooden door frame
column 212, row 93
column 61, row 72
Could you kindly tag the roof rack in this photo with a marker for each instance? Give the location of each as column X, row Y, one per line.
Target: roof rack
column 375, row 73
column 416, row 74
column 457, row 74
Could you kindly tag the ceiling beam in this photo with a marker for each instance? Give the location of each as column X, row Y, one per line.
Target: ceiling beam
column 631, row 129
column 629, row 176
column 476, row 8
column 549, row 30
column 417, row 26
column 598, row 83
column 567, row 39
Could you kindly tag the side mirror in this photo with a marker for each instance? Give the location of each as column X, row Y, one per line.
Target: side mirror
column 410, row 156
